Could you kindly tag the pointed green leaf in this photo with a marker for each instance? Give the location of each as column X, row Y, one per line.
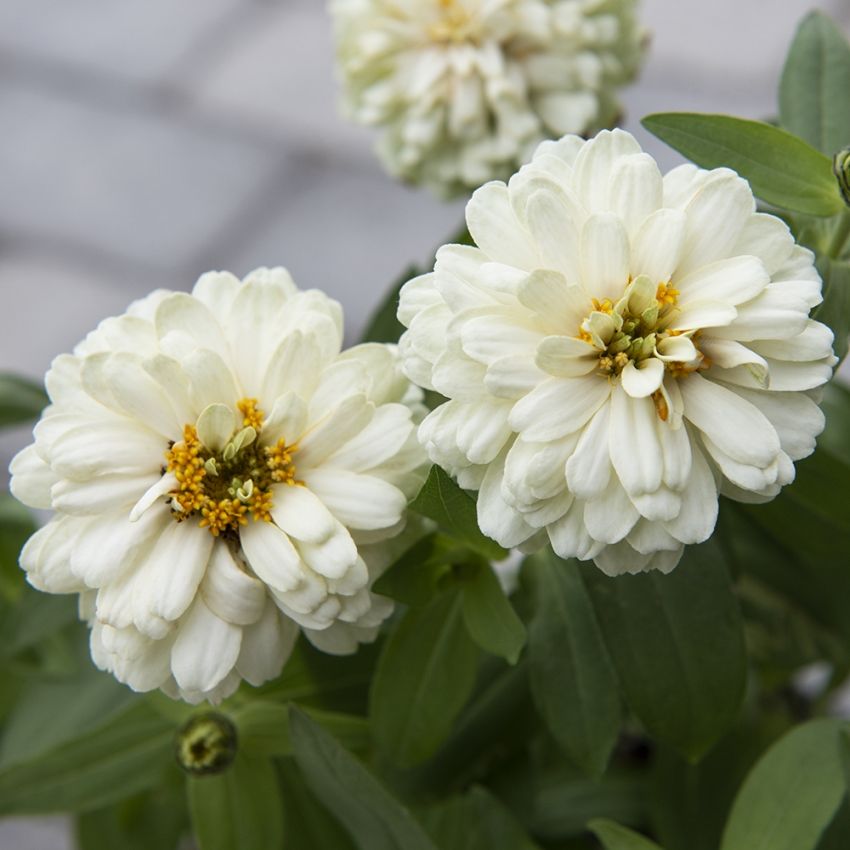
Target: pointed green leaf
column 813, row 95
column 441, row 500
column 783, row 170
column 239, row 809
column 117, row 760
column 89, row 699
column 16, row 525
column 476, row 821
column 792, row 794
column 424, row 677
column 373, row 817
column 616, row 837
column 573, row 680
column 489, row 616
column 677, row 643
column 308, row 824
column 21, row 400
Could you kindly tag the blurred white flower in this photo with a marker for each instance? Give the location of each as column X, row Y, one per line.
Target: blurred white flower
column 619, row 348
column 465, row 89
column 222, row 476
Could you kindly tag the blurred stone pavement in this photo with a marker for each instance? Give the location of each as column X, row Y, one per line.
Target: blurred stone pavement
column 146, row 141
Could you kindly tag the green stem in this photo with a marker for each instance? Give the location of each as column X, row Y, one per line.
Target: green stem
column 839, row 236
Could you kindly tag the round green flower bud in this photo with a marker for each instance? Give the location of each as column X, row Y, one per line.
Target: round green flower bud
column 841, row 169
column 206, row 744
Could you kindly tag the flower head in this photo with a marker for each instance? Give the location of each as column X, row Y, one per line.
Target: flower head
column 619, row 348
column 465, row 89
column 222, row 476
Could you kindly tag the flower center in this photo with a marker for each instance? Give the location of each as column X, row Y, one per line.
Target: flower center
column 221, row 487
column 453, row 24
column 637, row 327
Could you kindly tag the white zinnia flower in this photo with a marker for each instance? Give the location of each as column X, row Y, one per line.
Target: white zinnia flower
column 619, row 348
column 222, row 476
column 465, row 89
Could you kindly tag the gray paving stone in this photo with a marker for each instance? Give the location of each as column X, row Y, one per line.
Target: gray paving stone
column 349, row 232
column 136, row 39
column 152, row 188
column 36, row 834
column 280, row 76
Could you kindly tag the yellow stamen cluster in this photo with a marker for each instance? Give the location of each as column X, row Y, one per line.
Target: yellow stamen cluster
column 251, row 413
column 222, row 515
column 187, row 464
column 222, row 488
column 279, row 462
column 666, row 294
column 603, row 306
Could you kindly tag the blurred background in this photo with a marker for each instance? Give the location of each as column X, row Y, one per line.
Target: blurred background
column 146, row 141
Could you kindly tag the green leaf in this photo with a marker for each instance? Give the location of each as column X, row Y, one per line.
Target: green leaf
column 454, row 510
column 424, row 677
column 476, row 821
column 489, row 616
column 792, row 794
column 157, row 819
column 416, row 576
column 813, row 101
column 264, row 728
column 373, row 817
column 573, row 680
column 783, row 170
column 835, row 308
column 21, row 400
column 308, row 824
column 34, row 726
column 384, row 326
column 239, row 809
column 616, row 837
column 678, row 646
column 16, row 525
column 117, row 760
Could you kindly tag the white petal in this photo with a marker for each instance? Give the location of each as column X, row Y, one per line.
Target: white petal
column 334, row 430
column 595, row 163
column 552, row 295
column 737, row 427
column 173, row 571
column 496, row 518
column 589, row 468
column 229, row 592
column 605, row 258
column 558, row 407
column 566, row 357
column 658, row 245
column 215, row 426
column 716, row 215
column 301, row 514
column 210, row 380
column 698, row 515
column 32, row 479
column 334, row 557
column 569, row 535
column 205, row 650
column 554, row 222
column 266, row 646
column 286, row 422
column 635, row 190
column 644, row 379
column 703, row 314
column 494, row 227
column 635, row 448
column 733, row 281
column 271, row 555
column 611, row 516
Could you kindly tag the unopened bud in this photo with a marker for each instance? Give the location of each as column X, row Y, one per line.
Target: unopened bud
column 841, row 169
column 206, row 744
